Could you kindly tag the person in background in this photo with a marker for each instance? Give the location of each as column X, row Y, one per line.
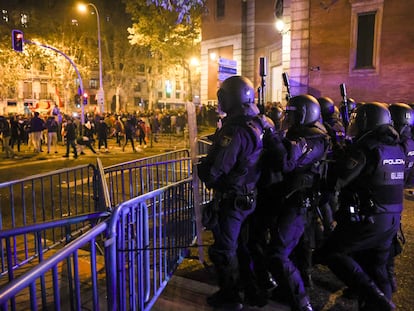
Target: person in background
column 86, row 140
column 119, row 130
column 15, row 137
column 102, row 134
column 129, row 133
column 37, row 125
column 70, row 133
column 141, row 133
column 52, row 129
column 5, row 135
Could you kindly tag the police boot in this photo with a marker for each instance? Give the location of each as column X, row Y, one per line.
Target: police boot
column 255, row 297
column 304, row 305
column 225, row 300
column 374, row 296
column 266, row 282
column 227, row 297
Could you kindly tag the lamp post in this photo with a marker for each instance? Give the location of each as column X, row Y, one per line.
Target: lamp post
column 101, row 94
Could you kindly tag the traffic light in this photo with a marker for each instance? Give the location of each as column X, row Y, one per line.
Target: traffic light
column 85, row 98
column 77, row 101
column 17, row 40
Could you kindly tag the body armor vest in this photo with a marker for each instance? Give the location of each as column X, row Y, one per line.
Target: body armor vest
column 243, row 177
column 381, row 191
column 408, row 146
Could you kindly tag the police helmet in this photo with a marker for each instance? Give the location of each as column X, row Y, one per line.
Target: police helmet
column 337, row 113
column 352, row 104
column 368, row 117
column 277, row 115
column 303, row 110
column 235, row 93
column 327, row 107
column 402, row 115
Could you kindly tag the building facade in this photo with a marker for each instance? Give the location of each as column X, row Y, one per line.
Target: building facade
column 366, row 44
column 242, row 31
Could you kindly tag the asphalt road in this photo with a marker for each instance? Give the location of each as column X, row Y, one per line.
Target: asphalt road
column 29, row 163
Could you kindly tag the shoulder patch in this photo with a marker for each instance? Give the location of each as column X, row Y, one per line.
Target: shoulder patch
column 225, row 140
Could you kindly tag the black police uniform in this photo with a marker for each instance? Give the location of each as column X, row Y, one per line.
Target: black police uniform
column 231, row 169
column 407, row 142
column 256, row 279
column 371, row 181
column 300, row 178
column 328, row 203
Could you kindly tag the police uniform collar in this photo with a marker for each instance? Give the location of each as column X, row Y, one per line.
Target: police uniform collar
column 382, row 134
column 307, row 131
column 236, row 119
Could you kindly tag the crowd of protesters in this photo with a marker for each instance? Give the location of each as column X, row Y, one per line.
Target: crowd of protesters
column 43, row 133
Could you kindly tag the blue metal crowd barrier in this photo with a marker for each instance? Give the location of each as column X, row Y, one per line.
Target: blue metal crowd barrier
column 73, row 191
column 53, row 195
column 131, row 179
column 148, row 237
column 145, row 238
column 44, row 283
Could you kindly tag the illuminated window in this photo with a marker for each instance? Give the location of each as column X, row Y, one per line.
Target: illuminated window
column 168, row 88
column 365, row 37
column 93, row 84
column 5, row 16
column 24, row 19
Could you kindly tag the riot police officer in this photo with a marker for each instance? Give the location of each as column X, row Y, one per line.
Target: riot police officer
column 231, row 169
column 332, row 121
column 301, row 173
column 402, row 116
column 371, row 180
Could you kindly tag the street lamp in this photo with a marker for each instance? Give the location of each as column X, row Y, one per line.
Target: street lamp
column 100, row 95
